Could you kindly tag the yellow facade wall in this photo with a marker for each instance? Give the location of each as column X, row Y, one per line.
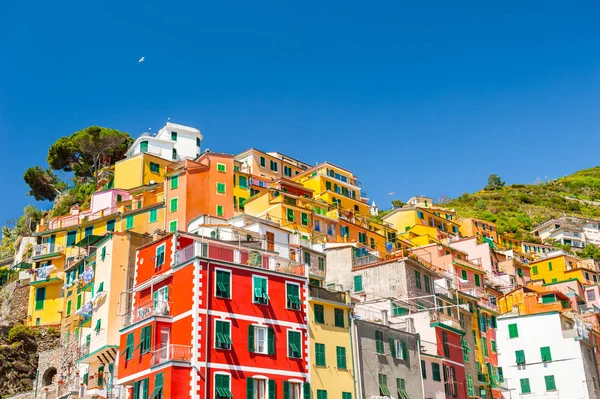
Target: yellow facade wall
column 561, row 268
column 136, row 171
column 330, row 377
column 53, row 305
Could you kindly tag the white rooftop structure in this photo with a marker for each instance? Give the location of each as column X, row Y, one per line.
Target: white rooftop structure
column 173, row 142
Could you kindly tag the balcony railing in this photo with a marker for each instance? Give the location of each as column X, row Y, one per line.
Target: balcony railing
column 40, row 275
column 47, row 249
column 171, row 353
column 146, row 310
column 240, row 255
column 296, row 239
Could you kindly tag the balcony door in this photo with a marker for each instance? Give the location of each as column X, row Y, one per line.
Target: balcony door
column 161, row 301
column 165, row 337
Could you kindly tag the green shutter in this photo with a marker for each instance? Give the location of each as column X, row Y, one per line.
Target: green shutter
column 545, row 353
column 404, row 350
column 470, row 391
column 306, row 390
column 358, row 286
column 174, row 182
column 339, row 317
column 379, row 341
column 423, row 369
column 68, row 308
column 251, row 338
column 435, row 371
column 174, row 204
column 271, row 341
column 286, row 390
column 129, row 222
column 525, row 388
column 320, row 355
column 249, row 388
column 319, row 313
column 153, row 215
column 393, row 347
column 477, row 279
column 550, row 383
column 272, row 389
column 145, row 389
column 513, row 331
column 520, row 357
column 341, row 357
column 129, row 347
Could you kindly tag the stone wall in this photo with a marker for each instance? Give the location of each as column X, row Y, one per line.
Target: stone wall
column 14, row 298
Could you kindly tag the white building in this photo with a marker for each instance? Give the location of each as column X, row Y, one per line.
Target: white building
column 573, row 231
column 546, row 355
column 172, row 142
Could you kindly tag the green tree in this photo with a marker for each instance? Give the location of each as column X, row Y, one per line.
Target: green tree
column 494, row 183
column 590, row 252
column 397, row 204
column 43, row 184
column 564, row 247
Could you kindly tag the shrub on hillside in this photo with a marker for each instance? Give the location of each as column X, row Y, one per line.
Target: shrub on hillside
column 19, row 332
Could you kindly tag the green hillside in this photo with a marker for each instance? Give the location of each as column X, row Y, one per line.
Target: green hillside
column 518, row 208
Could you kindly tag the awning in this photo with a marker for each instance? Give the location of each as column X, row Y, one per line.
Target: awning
column 88, row 241
column 22, row 266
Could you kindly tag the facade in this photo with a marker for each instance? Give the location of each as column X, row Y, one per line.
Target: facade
column 214, row 319
column 576, row 232
column 173, row 142
column 560, row 266
column 556, row 364
column 269, row 165
column 140, row 170
column 444, row 220
column 471, row 227
column 332, row 367
column 388, row 361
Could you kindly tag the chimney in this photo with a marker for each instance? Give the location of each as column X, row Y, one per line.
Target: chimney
column 384, row 317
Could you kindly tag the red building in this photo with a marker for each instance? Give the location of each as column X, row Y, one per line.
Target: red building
column 212, row 319
column 450, row 350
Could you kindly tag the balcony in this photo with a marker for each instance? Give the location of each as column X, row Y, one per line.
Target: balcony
column 171, row 353
column 146, row 310
column 47, row 274
column 237, row 254
column 499, row 384
column 296, row 239
column 315, row 271
column 47, row 251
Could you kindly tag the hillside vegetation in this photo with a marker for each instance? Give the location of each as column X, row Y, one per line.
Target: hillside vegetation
column 518, row 208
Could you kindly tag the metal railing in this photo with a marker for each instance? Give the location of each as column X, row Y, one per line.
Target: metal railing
column 38, row 276
column 47, row 249
column 146, row 310
column 171, row 353
column 240, row 255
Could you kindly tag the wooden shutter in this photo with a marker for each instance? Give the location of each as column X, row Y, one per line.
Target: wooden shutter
column 286, row 390
column 271, row 341
column 251, row 338
column 392, row 347
column 272, row 389
column 306, row 390
column 249, row 388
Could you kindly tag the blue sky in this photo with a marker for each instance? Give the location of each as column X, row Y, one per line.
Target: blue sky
column 414, row 98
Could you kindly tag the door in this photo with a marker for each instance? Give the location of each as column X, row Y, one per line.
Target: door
column 161, row 301
column 165, row 336
column 270, row 241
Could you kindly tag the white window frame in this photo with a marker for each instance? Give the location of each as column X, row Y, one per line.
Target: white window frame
column 399, row 353
column 215, row 381
column 215, row 338
column 286, row 295
column 300, row 384
column 287, row 343
column 265, row 380
column 230, row 282
column 266, row 329
column 267, row 279
column 156, row 255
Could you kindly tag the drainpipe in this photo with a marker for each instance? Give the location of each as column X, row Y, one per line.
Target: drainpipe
column 358, row 381
column 206, row 329
column 350, row 328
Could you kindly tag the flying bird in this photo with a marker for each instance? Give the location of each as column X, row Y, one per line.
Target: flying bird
column 141, row 60
column 392, row 193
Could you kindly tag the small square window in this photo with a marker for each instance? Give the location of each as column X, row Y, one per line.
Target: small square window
column 221, row 168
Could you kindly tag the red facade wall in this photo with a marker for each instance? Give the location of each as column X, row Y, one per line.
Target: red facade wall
column 455, row 359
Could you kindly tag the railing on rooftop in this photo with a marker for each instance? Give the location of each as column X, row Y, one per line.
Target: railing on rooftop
column 146, row 310
column 171, row 353
column 240, row 255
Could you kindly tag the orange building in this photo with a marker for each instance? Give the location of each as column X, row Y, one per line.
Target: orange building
column 470, row 227
column 199, row 187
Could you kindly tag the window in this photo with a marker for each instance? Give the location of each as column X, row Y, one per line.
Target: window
column 493, row 346
column 513, row 331
column 358, row 284
column 71, row 237
column 290, row 215
column 321, row 394
column 435, row 372
column 534, row 270
column 287, row 171
column 223, row 335
column 346, row 395
column 263, row 162
column 220, row 188
column 306, row 256
column 68, row 308
column 427, row 282
column 520, row 357
column 143, row 146
column 484, row 346
column 591, row 295
column 173, row 226
column 221, row 168
column 294, row 344
column 273, row 165
column 445, row 344
column 304, row 219
column 174, row 136
column 261, row 340
column 398, row 311
column 145, row 339
column 128, row 352
column 88, row 231
column 398, row 349
column 417, row 279
column 545, row 354
column 423, row 369
column 319, row 314
column 550, row 266
column 339, row 317
column 223, row 281
column 222, row 386
column 110, row 225
column 293, row 296
column 550, row 383
column 243, row 181
column 320, row 355
column 160, row 255
column 379, row 341
column 525, row 388
column 140, row 389
column 158, row 386
column 40, row 297
column 260, row 290
column 219, row 210
column 470, row 391
column 153, row 216
column 340, row 353
column 154, row 167
column 477, row 279
column 383, row 387
column 129, row 222
column 321, row 263
column 174, row 182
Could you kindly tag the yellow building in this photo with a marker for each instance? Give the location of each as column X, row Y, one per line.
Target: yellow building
column 419, row 235
column 139, row 170
column 472, row 227
column 144, row 212
column 331, row 367
column 269, row 165
column 564, row 267
column 242, row 189
column 402, row 219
